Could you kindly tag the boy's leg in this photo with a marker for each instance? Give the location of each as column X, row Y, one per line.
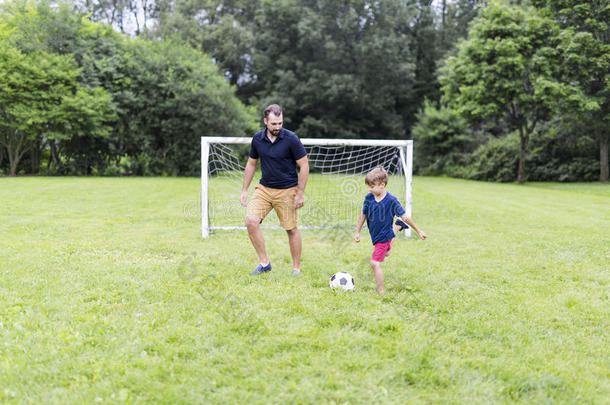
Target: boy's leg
column 379, row 254
column 387, row 253
column 376, row 266
column 399, row 225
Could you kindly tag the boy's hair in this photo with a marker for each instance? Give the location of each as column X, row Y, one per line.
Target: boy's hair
column 376, row 176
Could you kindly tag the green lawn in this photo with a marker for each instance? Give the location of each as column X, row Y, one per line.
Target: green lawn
column 108, row 294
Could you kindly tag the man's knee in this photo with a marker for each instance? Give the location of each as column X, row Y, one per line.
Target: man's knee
column 252, row 222
column 293, row 232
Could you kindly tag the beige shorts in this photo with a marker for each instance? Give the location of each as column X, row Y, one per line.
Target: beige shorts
column 282, row 200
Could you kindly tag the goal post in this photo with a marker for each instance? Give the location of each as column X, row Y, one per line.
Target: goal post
column 335, row 189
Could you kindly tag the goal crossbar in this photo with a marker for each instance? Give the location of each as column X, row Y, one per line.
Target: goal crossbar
column 317, row 141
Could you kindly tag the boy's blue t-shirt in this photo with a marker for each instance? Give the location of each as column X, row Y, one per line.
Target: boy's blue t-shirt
column 380, row 216
column 278, row 159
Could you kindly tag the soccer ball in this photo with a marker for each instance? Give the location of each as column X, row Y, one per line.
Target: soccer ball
column 342, row 280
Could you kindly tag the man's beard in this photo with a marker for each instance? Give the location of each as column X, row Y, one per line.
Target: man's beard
column 274, row 132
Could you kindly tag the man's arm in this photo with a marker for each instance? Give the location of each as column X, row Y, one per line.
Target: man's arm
column 248, row 175
column 303, row 164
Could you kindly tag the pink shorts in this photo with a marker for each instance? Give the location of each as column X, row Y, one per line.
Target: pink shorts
column 381, row 250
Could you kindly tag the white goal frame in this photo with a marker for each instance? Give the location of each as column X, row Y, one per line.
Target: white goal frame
column 405, row 148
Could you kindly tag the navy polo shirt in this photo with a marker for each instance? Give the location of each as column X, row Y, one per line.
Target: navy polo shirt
column 380, row 216
column 278, row 159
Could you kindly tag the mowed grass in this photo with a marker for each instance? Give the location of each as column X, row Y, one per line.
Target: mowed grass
column 108, row 294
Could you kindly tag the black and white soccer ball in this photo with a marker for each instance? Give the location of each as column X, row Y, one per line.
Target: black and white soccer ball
column 342, row 280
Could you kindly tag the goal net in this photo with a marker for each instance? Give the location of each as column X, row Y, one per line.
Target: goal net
column 335, row 189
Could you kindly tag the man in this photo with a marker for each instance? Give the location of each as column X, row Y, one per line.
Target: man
column 280, row 188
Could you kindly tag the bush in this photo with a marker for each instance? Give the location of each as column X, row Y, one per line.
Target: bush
column 558, row 154
column 441, row 140
column 497, row 160
column 555, row 152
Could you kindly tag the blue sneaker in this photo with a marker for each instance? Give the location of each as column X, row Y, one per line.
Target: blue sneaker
column 260, row 269
column 402, row 224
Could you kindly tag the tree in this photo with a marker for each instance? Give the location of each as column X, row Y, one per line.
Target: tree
column 455, row 16
column 41, row 99
column 133, row 17
column 163, row 95
column 340, row 69
column 588, row 63
column 178, row 96
column 425, row 47
column 441, row 140
column 223, row 29
column 509, row 67
column 349, row 68
column 41, row 28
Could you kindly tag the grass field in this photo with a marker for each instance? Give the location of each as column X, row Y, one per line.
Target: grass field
column 108, row 294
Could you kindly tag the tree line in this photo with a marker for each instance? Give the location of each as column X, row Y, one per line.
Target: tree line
column 493, row 90
column 79, row 98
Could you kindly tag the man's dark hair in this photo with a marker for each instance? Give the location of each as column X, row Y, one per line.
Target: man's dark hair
column 273, row 109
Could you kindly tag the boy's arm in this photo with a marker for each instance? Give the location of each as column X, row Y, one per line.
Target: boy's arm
column 410, row 222
column 361, row 220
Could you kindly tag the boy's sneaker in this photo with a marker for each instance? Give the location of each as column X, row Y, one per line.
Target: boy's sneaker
column 260, row 269
column 402, row 224
column 296, row 272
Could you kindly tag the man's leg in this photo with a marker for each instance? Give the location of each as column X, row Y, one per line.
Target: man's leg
column 258, row 208
column 287, row 214
column 256, row 237
column 294, row 239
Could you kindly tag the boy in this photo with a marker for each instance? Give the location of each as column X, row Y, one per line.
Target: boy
column 378, row 210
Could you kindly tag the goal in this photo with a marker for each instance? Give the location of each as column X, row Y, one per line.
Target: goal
column 335, row 190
